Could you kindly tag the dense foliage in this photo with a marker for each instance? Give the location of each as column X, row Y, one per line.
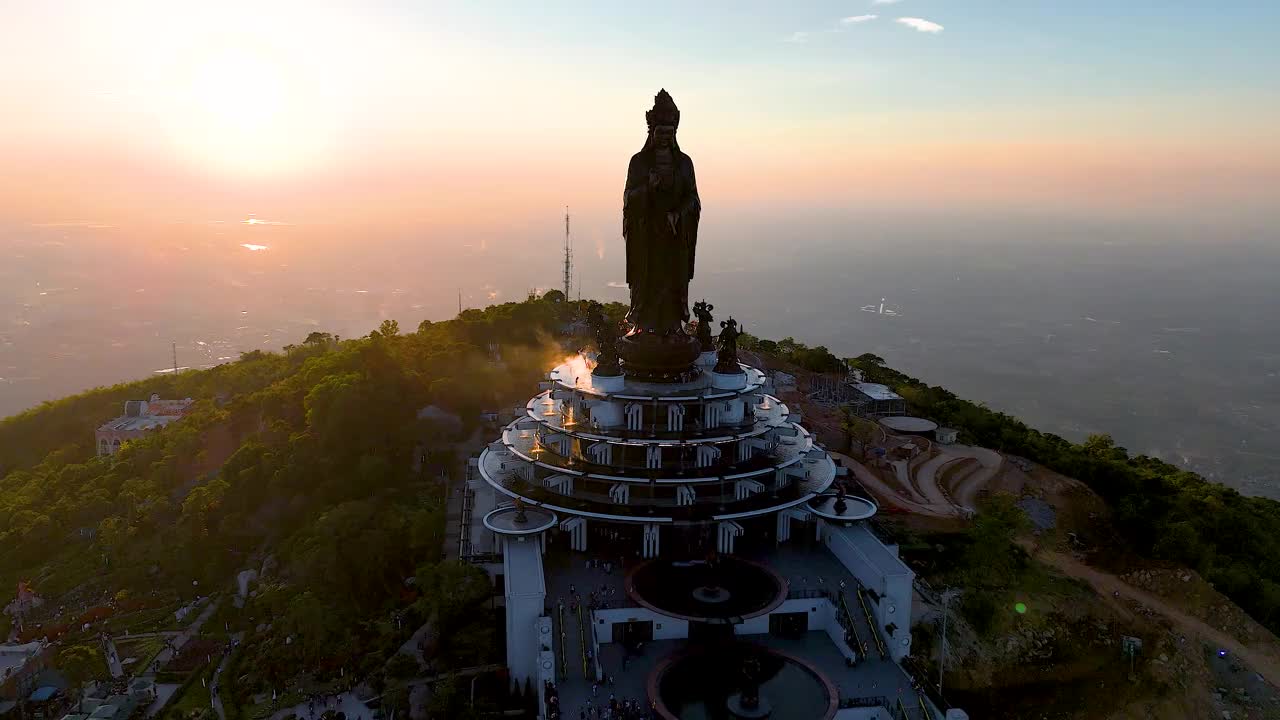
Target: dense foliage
column 1162, row 510
column 313, row 456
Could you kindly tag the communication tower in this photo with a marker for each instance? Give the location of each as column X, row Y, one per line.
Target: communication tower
column 568, row 258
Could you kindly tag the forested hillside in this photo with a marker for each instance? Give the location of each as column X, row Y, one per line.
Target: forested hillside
column 307, row 452
column 312, row 457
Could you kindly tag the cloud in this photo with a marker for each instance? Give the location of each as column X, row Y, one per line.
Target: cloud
column 798, row 36
column 251, row 220
column 921, row 24
column 856, row 19
column 616, row 284
column 252, row 247
column 885, row 2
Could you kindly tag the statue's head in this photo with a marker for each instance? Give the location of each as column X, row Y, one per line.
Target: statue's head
column 663, row 120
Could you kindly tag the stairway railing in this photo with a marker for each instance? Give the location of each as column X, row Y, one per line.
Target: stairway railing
column 853, row 627
column 871, row 622
column 564, row 642
column 582, row 642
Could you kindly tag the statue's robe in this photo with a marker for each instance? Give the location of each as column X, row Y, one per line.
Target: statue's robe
column 660, row 262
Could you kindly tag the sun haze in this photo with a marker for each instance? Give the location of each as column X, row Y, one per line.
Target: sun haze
column 401, row 115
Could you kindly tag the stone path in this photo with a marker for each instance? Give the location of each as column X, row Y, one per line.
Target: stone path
column 1264, row 661
column 181, row 639
column 214, row 686
column 113, row 657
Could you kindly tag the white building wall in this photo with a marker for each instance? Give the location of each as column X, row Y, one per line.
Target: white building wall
column 664, row 628
column 821, row 614
column 526, row 596
column 606, row 413
column 878, row 568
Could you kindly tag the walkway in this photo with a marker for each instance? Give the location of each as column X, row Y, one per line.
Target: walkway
column 217, row 676
column 1260, row 660
column 166, row 654
column 990, row 463
column 923, row 494
column 883, row 492
column 113, row 657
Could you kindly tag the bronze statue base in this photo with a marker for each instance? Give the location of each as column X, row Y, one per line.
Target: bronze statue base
column 649, row 357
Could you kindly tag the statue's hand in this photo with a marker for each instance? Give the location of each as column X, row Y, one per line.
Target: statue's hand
column 672, row 218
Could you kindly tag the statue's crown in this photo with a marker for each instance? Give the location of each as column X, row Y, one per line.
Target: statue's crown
column 664, row 111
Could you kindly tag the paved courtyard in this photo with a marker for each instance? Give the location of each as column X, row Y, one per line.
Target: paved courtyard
column 808, row 568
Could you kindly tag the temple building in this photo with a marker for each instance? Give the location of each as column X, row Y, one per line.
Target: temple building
column 140, row 417
column 670, row 540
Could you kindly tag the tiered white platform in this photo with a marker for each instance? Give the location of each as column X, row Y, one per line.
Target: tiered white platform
column 657, row 454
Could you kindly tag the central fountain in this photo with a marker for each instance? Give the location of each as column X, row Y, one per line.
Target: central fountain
column 737, row 680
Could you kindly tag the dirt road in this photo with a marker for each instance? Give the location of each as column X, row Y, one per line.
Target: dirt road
column 1263, row 661
column 884, row 493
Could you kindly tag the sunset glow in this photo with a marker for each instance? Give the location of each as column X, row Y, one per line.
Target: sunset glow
column 401, row 117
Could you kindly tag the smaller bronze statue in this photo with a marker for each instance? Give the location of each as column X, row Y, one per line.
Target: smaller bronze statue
column 841, row 505
column 521, row 518
column 606, row 332
column 727, row 359
column 702, row 310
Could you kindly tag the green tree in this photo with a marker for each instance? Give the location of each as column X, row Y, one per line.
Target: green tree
column 858, row 432
column 81, row 663
column 401, row 666
column 869, row 359
column 389, row 328
column 322, row 339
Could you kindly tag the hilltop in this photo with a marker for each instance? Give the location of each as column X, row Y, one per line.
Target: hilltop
column 318, row 469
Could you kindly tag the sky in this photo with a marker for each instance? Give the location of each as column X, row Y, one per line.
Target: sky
column 440, row 118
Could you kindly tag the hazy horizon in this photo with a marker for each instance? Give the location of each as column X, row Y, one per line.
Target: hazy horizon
column 1042, row 193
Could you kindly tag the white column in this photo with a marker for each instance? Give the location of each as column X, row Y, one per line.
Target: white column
column 577, row 529
column 728, row 531
column 651, row 540
column 783, row 532
column 675, row 418
column 653, row 457
column 707, row 455
column 743, row 489
column 685, row 495
column 635, row 417
column 601, row 453
column 560, row 442
column 562, row 484
column 709, row 415
column 621, row 493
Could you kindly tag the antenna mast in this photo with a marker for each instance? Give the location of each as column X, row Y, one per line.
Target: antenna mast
column 568, row 258
column 175, row 358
